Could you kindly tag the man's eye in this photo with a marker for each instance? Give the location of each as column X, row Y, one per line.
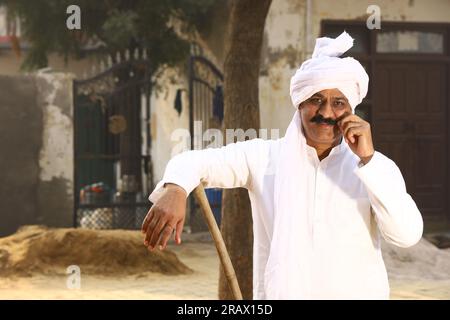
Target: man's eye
column 339, row 103
column 316, row 101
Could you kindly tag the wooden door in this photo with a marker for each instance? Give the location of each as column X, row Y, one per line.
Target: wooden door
column 410, row 125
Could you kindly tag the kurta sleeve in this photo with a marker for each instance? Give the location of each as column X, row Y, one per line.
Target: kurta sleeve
column 397, row 216
column 231, row 166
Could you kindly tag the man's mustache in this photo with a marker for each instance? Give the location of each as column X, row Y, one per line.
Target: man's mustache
column 318, row 118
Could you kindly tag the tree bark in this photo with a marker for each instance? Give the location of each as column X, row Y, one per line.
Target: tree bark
column 241, row 111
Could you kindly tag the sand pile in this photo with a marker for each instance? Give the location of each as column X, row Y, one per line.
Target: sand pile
column 36, row 249
column 424, row 261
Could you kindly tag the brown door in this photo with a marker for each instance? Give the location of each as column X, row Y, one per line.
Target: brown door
column 410, row 121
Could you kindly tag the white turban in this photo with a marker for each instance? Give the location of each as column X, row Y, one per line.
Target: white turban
column 325, row 70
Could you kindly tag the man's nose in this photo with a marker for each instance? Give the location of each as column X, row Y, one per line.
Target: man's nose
column 326, row 110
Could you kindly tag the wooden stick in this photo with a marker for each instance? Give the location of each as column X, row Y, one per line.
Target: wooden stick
column 202, row 200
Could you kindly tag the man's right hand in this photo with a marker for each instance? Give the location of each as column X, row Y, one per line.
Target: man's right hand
column 165, row 216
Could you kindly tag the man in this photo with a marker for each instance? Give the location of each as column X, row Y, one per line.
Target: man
column 321, row 196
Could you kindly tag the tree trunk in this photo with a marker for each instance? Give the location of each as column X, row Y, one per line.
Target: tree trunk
column 241, row 111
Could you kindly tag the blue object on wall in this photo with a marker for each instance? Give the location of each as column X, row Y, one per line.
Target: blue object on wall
column 215, row 201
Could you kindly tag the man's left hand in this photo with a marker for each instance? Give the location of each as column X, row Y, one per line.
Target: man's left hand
column 358, row 136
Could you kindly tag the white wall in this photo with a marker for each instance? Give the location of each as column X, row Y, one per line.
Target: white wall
column 165, row 119
column 56, row 155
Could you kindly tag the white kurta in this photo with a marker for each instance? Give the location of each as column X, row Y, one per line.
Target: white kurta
column 345, row 257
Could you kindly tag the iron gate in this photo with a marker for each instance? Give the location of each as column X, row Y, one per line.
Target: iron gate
column 113, row 170
column 205, row 108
